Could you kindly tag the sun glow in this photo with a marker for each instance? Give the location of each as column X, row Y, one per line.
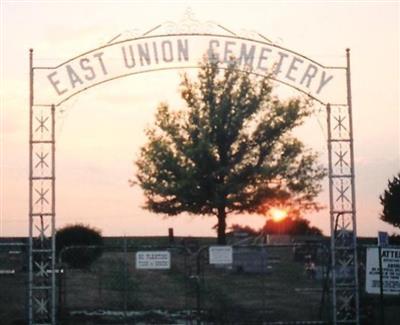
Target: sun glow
column 278, row 214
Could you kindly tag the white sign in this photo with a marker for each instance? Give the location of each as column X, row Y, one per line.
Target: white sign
column 153, row 260
column 390, row 271
column 220, row 254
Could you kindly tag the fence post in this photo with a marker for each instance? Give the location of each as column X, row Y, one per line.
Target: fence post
column 198, row 289
column 381, row 299
column 125, row 280
column 198, row 307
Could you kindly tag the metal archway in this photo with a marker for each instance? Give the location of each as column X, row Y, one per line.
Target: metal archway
column 170, row 46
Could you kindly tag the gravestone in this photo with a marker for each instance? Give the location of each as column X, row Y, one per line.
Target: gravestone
column 250, row 259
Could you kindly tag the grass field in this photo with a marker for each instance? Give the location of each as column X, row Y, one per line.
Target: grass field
column 284, row 292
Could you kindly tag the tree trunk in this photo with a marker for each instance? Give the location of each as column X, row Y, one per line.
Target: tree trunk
column 221, row 226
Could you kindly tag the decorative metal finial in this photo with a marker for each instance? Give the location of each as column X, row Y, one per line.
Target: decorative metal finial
column 188, row 14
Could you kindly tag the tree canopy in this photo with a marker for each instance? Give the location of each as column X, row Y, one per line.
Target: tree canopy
column 229, row 151
column 390, row 201
column 294, row 226
column 291, row 226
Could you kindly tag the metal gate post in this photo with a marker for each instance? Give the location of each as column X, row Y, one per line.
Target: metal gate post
column 41, row 281
column 345, row 300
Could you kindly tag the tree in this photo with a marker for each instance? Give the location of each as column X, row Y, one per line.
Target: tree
column 390, row 201
column 291, row 226
column 294, row 226
column 230, row 151
column 245, row 229
column 79, row 245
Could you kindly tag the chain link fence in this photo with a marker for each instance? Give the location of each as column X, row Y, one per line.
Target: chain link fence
column 265, row 283
column 281, row 282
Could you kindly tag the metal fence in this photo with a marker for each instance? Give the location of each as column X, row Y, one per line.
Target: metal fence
column 274, row 283
column 265, row 283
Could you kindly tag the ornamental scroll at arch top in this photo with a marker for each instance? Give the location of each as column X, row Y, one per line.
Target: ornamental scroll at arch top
column 188, row 25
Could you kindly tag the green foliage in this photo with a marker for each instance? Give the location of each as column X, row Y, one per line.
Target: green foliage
column 230, row 151
column 79, row 245
column 390, row 201
column 394, row 239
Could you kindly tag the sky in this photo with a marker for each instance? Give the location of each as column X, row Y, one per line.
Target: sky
column 99, row 132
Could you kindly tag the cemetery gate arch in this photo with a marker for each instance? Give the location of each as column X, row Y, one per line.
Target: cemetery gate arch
column 177, row 46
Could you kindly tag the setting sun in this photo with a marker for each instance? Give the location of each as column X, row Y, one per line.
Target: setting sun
column 278, row 214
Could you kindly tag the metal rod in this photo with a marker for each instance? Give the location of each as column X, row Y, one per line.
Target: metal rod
column 30, row 274
column 381, row 298
column 12, row 244
column 198, row 284
column 353, row 193
column 125, row 281
column 151, row 30
column 37, row 178
column 340, row 140
column 53, row 217
column 42, row 141
column 331, row 209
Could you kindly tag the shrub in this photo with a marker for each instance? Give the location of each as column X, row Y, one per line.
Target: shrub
column 78, row 245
